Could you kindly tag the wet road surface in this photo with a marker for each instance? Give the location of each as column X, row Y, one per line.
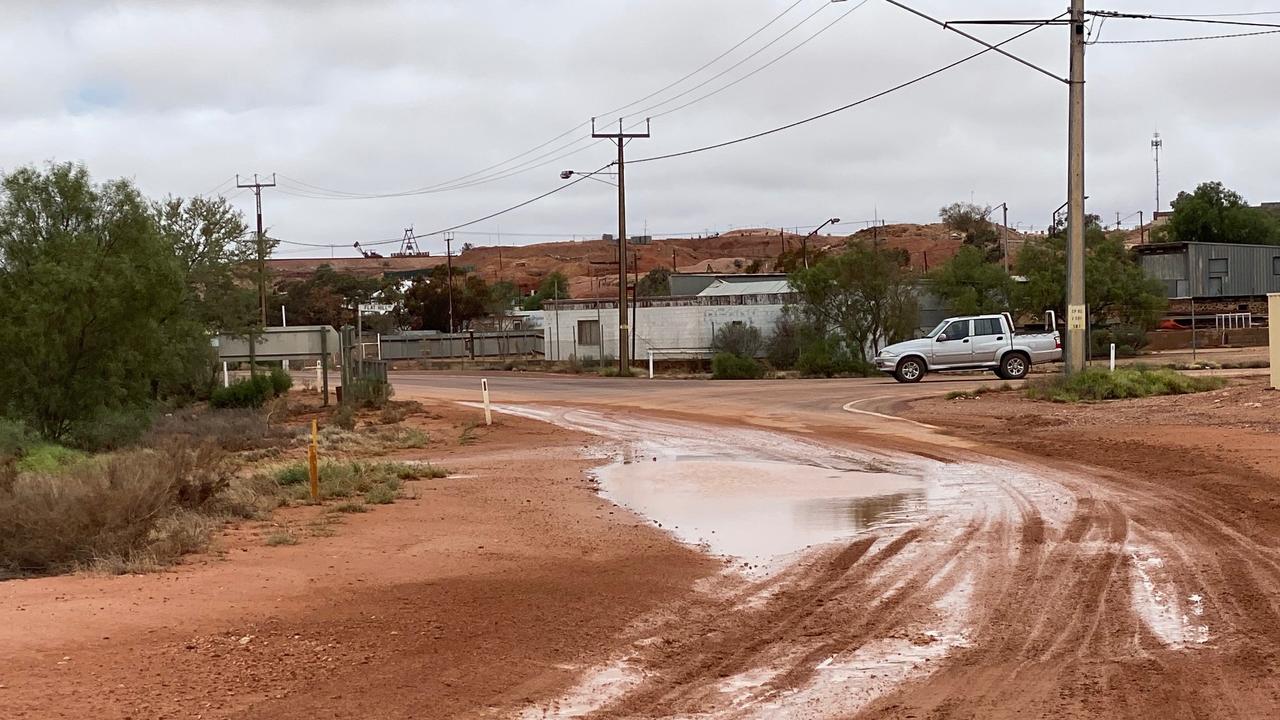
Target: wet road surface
column 997, row 589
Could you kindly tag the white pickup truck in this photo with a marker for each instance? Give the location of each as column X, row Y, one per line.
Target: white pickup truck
column 978, row 342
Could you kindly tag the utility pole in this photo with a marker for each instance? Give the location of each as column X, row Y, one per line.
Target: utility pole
column 1077, row 313
column 448, row 261
column 1005, row 205
column 620, row 139
column 1156, row 145
column 1142, row 229
column 262, row 247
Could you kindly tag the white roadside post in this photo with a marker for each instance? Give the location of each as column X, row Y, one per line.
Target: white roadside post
column 650, row 363
column 319, row 377
column 226, row 376
column 1273, row 332
column 1113, row 357
column 484, row 390
column 284, row 322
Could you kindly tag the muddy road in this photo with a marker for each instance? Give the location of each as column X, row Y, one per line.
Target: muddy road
column 918, row 573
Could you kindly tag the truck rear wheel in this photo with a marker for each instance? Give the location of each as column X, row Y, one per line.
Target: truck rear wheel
column 909, row 371
column 1014, row 366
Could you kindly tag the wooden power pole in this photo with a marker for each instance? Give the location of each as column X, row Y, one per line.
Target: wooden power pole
column 262, row 243
column 620, row 139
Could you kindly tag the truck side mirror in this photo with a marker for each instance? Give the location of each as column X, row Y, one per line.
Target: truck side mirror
column 942, row 337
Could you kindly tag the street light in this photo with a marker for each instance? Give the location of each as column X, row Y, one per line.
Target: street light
column 566, row 174
column 804, row 244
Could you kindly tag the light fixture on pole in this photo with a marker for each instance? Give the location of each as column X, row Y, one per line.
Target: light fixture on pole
column 804, row 243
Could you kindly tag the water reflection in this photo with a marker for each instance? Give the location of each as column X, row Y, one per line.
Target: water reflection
column 756, row 509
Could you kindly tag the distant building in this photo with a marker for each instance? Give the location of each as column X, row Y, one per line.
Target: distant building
column 1212, row 270
column 680, row 326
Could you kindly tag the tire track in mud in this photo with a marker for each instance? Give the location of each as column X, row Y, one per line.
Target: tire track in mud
column 1053, row 627
column 1063, row 638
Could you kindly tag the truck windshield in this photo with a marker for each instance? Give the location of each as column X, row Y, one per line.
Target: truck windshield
column 934, row 332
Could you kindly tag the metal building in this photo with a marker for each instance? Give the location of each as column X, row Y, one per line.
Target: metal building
column 1212, row 270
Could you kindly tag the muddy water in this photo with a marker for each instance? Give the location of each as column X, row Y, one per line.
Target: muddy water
column 757, row 509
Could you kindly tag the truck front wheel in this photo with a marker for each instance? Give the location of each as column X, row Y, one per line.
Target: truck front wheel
column 1014, row 366
column 909, row 371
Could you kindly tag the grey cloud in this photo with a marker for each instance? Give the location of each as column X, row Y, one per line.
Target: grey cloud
column 385, row 95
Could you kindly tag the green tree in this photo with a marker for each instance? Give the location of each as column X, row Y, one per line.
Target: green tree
column 972, row 223
column 554, row 286
column 216, row 250
column 503, row 297
column 1116, row 287
column 863, row 297
column 655, row 283
column 94, row 297
column 970, row 285
column 329, row 297
column 426, row 302
column 1215, row 214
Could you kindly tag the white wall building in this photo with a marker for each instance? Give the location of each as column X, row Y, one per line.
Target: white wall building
column 672, row 327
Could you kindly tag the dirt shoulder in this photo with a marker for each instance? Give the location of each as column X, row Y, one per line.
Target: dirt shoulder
column 1224, row 444
column 480, row 591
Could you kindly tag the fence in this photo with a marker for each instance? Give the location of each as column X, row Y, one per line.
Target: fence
column 471, row 345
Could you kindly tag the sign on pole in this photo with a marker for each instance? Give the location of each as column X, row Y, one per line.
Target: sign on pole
column 377, row 308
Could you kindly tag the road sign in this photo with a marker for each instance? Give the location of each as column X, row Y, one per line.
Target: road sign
column 377, row 308
column 1075, row 317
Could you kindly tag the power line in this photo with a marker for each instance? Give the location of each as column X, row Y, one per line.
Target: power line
column 459, row 226
column 708, row 64
column 851, row 105
column 1178, row 18
column 487, row 174
column 804, row 42
column 1152, row 41
column 729, row 69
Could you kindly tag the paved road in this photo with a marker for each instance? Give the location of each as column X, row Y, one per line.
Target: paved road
column 862, row 406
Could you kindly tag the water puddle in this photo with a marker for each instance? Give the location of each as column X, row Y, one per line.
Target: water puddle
column 758, row 509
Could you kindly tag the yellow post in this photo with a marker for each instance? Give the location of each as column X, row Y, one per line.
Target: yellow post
column 311, row 462
column 1273, row 322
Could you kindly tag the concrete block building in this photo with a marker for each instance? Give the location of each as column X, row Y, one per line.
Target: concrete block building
column 673, row 327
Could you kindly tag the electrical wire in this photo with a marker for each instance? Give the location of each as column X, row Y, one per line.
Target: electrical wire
column 488, row 174
column 469, row 223
column 842, row 108
column 1179, row 18
column 731, row 68
column 804, row 42
column 708, row 64
column 1152, row 41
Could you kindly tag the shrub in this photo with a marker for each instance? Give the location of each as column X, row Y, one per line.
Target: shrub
column 250, row 392
column 283, row 537
column 826, row 357
column 234, row 430
column 726, row 366
column 281, row 380
column 47, row 457
column 1129, row 339
column 1096, row 384
column 126, row 510
column 344, row 479
column 15, row 438
column 345, row 417
column 367, row 392
column 110, row 429
column 380, row 495
column 735, row 339
column 293, row 474
column 783, row 346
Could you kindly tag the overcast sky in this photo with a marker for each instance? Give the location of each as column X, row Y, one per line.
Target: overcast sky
column 384, row 96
